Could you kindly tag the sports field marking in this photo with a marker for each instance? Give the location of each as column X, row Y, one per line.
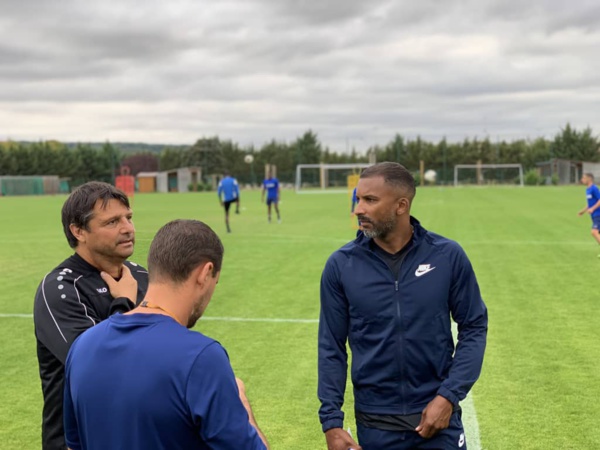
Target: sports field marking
column 209, row 318
column 469, row 418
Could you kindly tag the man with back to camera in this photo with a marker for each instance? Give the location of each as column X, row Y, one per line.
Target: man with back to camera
column 97, row 221
column 186, row 396
column 229, row 192
column 592, row 194
column 390, row 294
column 271, row 186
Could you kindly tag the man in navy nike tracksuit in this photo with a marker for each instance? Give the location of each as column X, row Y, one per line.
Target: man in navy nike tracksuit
column 391, row 294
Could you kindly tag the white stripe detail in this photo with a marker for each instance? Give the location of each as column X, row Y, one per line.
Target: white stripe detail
column 79, row 300
column 48, row 307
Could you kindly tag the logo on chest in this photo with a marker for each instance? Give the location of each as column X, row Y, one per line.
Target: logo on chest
column 423, row 269
column 102, row 290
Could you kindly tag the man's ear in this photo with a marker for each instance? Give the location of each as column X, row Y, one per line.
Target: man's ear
column 206, row 271
column 77, row 232
column 403, row 206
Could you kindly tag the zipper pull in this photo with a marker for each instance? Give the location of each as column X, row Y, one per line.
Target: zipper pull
column 396, row 285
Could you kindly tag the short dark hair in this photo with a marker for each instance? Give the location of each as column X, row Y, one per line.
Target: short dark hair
column 79, row 207
column 394, row 174
column 590, row 176
column 179, row 247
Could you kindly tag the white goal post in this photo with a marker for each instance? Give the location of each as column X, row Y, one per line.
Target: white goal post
column 321, row 181
column 479, row 168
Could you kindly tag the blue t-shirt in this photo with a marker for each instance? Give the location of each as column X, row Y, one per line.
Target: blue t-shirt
column 143, row 381
column 271, row 185
column 228, row 189
column 593, row 195
column 354, row 200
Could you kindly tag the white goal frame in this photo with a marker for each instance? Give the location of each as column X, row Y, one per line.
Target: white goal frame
column 489, row 166
column 324, row 168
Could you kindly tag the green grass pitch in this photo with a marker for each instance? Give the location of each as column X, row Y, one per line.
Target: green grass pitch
column 536, row 263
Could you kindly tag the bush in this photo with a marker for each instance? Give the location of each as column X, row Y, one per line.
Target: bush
column 532, row 178
column 199, row 187
column 417, row 177
column 554, row 179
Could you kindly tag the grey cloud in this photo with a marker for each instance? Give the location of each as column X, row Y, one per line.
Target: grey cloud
column 356, row 72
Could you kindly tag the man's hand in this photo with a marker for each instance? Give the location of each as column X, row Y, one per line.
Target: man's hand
column 436, row 417
column 338, row 439
column 590, row 210
column 125, row 287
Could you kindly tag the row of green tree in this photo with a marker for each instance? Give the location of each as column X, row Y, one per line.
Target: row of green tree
column 82, row 162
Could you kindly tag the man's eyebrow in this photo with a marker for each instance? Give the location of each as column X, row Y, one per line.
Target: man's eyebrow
column 117, row 216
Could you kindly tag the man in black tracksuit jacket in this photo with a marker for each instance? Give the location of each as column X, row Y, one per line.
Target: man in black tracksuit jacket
column 83, row 290
column 391, row 294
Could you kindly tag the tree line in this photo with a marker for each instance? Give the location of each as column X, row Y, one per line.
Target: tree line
column 84, row 162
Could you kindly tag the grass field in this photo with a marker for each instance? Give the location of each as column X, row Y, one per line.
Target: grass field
column 534, row 258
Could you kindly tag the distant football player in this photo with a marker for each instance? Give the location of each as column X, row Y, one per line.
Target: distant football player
column 592, row 194
column 271, row 187
column 229, row 192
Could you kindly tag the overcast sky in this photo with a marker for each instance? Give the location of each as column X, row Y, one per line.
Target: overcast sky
column 355, row 72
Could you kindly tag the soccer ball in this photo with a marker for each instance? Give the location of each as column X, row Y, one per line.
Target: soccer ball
column 248, row 159
column 430, row 176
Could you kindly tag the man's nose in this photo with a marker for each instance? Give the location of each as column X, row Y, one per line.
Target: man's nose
column 127, row 226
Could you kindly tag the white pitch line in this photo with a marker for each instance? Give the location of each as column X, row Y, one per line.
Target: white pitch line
column 470, row 423
column 207, row 318
column 469, row 414
column 264, row 319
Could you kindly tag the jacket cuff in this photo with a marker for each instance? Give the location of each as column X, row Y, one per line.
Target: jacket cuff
column 332, row 423
column 448, row 395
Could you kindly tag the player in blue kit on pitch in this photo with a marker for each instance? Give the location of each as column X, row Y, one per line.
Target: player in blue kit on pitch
column 592, row 194
column 229, row 192
column 271, row 186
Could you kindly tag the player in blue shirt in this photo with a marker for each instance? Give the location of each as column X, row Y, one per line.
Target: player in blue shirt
column 143, row 380
column 592, row 194
column 229, row 192
column 271, row 186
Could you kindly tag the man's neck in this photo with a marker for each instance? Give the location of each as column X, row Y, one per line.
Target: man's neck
column 111, row 266
column 163, row 299
column 393, row 243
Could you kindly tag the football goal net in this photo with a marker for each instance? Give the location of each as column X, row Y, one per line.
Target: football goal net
column 326, row 178
column 488, row 174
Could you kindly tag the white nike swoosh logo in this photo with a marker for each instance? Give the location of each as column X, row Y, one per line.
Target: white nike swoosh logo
column 420, row 273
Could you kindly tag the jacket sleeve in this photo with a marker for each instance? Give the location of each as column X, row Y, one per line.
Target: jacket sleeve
column 214, row 400
column 332, row 354
column 470, row 314
column 59, row 313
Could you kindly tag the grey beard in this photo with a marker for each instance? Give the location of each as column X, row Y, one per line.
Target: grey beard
column 380, row 230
